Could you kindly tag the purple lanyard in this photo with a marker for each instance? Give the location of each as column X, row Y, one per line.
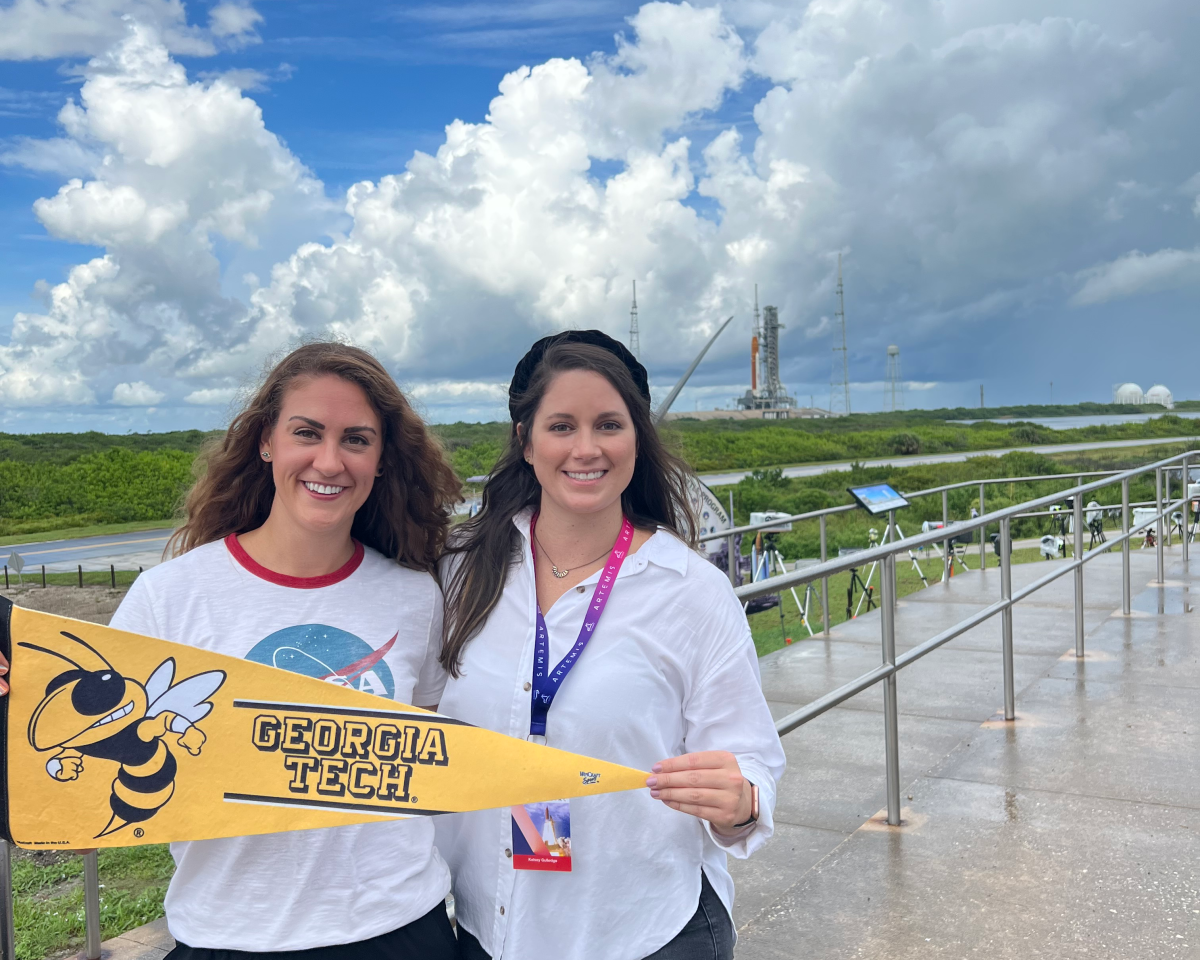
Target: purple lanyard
column 546, row 686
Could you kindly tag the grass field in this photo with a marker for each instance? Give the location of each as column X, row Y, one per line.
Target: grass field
column 48, row 897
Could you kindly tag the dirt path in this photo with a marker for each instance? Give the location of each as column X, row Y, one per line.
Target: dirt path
column 94, row 604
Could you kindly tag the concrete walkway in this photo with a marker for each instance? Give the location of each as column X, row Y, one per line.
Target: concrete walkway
column 1072, row 832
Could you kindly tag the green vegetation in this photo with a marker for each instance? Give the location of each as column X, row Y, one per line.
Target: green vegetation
column 745, row 444
column 62, row 448
column 51, row 483
column 48, row 897
column 117, row 485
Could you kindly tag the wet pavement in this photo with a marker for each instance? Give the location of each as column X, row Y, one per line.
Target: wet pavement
column 1072, row 832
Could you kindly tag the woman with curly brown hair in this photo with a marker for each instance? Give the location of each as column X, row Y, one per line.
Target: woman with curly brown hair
column 310, row 543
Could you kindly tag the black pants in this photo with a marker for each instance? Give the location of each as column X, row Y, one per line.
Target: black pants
column 429, row 938
column 707, row 936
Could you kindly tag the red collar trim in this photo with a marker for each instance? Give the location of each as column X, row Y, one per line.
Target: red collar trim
column 299, row 583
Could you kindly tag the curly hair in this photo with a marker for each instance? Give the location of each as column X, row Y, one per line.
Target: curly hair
column 405, row 517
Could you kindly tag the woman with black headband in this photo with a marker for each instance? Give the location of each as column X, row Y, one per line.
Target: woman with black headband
column 578, row 615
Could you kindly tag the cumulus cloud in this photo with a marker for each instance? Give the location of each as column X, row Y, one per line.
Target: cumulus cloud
column 174, row 165
column 136, row 394
column 459, row 390
column 234, row 22
column 963, row 157
column 1137, row 272
column 211, row 396
column 40, row 29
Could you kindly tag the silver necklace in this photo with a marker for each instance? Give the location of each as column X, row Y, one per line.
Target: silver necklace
column 564, row 571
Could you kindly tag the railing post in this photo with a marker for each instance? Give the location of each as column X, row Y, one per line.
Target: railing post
column 824, row 580
column 91, row 903
column 982, row 533
column 891, row 731
column 1006, row 619
column 8, row 932
column 1125, row 591
column 892, row 535
column 1158, row 524
column 732, row 562
column 1166, row 474
column 1078, row 575
column 1183, row 536
column 947, row 562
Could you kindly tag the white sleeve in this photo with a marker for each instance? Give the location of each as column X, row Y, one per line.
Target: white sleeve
column 432, row 679
column 136, row 612
column 727, row 711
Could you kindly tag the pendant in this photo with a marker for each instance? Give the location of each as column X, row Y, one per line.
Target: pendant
column 555, row 571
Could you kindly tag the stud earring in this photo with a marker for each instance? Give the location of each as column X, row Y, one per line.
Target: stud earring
column 266, row 455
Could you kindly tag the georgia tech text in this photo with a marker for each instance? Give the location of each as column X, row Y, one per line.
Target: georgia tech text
column 338, row 758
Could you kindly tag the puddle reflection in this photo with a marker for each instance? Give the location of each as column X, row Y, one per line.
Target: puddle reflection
column 1164, row 600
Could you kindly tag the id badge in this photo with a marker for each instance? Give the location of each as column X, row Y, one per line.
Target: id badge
column 541, row 836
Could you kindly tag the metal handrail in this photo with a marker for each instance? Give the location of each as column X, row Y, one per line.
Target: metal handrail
column 885, row 554
column 848, row 507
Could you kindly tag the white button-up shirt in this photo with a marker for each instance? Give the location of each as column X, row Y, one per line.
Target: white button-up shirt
column 670, row 669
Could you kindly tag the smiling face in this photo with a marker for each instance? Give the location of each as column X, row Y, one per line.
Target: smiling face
column 325, row 453
column 582, row 443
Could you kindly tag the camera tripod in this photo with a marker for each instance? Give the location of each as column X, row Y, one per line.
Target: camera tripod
column 868, row 594
column 770, row 555
column 868, row 590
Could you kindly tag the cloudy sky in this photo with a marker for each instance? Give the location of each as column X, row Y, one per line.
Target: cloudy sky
column 1014, row 188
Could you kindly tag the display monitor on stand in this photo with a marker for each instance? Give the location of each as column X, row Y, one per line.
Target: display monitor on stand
column 878, row 498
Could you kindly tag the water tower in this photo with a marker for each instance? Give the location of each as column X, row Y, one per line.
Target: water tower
column 894, row 388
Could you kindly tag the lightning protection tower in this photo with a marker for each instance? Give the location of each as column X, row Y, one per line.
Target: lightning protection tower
column 839, row 391
column 894, row 387
column 635, row 346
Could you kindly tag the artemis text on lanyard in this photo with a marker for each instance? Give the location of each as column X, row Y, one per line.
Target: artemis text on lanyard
column 547, row 684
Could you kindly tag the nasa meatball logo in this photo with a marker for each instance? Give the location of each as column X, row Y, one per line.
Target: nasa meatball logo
column 329, row 654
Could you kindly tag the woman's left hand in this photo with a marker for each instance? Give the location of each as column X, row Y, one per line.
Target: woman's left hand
column 708, row 785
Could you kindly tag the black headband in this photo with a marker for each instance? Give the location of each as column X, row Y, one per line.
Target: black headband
column 524, row 372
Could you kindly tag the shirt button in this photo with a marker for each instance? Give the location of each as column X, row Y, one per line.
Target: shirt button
column 501, row 911
column 507, row 852
column 579, row 589
column 528, row 685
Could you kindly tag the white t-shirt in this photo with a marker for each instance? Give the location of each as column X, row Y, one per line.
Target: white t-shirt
column 311, row 888
column 670, row 669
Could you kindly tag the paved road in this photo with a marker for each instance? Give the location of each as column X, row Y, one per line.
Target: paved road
column 63, row 554
column 811, row 470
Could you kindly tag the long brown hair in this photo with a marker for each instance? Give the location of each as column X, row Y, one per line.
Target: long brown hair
column 490, row 544
column 407, row 513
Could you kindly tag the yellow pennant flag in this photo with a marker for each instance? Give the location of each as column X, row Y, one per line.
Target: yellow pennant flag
column 114, row 739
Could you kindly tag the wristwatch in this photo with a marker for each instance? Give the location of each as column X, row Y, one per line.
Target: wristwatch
column 753, row 808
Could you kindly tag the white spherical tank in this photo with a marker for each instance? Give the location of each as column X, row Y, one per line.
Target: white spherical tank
column 1128, row 393
column 1161, row 395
